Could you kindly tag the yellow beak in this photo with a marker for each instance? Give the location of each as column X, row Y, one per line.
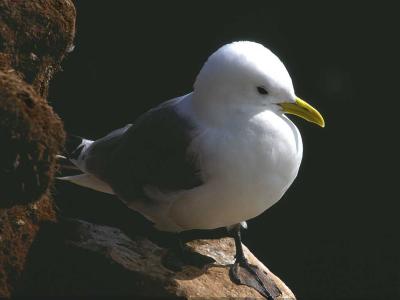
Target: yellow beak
column 303, row 110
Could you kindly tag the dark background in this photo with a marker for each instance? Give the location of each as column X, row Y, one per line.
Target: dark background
column 334, row 235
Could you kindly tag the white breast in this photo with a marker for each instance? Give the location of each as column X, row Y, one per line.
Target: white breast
column 247, row 169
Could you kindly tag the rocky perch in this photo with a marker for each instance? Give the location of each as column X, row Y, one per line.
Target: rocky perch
column 78, row 258
column 42, row 254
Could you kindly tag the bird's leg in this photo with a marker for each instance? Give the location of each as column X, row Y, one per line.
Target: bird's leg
column 242, row 272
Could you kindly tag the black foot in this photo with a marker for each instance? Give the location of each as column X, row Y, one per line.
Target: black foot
column 242, row 272
column 176, row 259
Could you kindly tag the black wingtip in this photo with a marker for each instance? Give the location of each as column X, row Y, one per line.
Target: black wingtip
column 73, row 146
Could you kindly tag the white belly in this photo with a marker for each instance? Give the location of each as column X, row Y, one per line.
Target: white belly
column 246, row 171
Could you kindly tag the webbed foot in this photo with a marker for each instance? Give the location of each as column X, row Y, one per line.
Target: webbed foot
column 242, row 272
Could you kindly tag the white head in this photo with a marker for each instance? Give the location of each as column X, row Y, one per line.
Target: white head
column 246, row 78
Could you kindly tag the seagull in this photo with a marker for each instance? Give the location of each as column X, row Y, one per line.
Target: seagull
column 215, row 157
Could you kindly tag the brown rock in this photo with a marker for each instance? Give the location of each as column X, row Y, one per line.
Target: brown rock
column 81, row 259
column 34, row 38
column 18, row 227
column 216, row 282
column 31, row 134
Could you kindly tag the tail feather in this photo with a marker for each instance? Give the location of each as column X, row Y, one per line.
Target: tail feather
column 74, row 161
column 75, row 146
column 89, row 181
column 66, row 164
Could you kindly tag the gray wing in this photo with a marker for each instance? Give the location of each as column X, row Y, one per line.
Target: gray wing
column 96, row 157
column 153, row 152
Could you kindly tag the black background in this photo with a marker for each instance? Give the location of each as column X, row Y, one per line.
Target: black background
column 334, row 235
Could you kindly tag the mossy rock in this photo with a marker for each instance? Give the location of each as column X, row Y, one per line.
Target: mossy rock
column 31, row 135
column 34, row 38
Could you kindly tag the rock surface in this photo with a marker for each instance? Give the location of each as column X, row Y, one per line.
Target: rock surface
column 18, row 228
column 31, row 135
column 34, row 38
column 77, row 258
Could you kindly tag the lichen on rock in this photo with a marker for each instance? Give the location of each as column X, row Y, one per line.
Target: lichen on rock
column 34, row 38
column 18, row 228
column 31, row 135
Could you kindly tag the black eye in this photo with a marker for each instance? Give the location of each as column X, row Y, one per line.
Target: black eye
column 262, row 91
